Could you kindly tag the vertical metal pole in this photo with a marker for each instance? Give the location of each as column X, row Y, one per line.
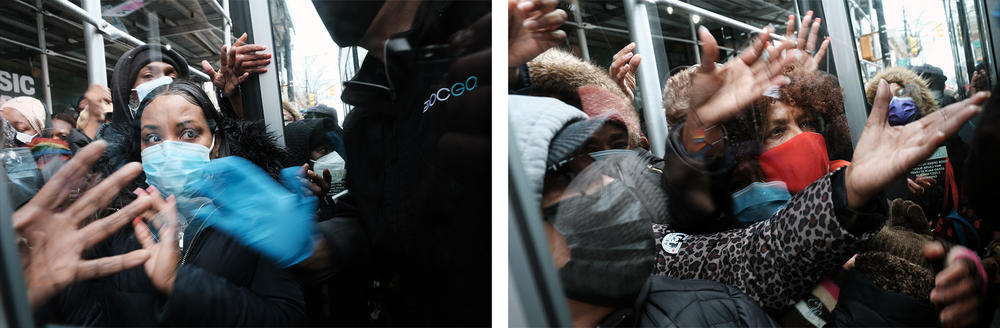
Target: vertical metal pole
column 694, row 37
column 580, row 34
column 845, row 57
column 883, row 34
column 954, row 39
column 648, row 77
column 994, row 34
column 270, row 90
column 14, row 309
column 537, row 294
column 963, row 24
column 93, row 40
column 227, row 30
column 985, row 40
column 46, row 90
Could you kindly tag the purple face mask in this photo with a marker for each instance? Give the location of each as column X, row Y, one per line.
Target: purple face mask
column 901, row 110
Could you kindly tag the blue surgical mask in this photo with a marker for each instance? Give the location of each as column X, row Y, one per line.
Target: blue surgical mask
column 173, row 166
column 759, row 201
column 901, row 110
column 598, row 155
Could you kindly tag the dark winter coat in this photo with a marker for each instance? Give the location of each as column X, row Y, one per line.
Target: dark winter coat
column 669, row 302
column 862, row 304
column 220, row 282
column 428, row 223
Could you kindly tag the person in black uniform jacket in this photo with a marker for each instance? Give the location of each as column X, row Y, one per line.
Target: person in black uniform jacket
column 418, row 175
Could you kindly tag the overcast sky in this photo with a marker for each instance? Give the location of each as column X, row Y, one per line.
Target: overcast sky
column 310, row 39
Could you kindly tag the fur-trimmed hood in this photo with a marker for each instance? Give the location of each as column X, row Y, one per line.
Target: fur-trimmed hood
column 903, row 76
column 581, row 84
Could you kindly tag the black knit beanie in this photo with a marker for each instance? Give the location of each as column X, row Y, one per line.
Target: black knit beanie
column 127, row 68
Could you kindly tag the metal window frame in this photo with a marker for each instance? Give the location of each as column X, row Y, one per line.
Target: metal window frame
column 535, row 293
column 844, row 52
column 96, row 28
column 648, row 78
column 261, row 92
column 14, row 308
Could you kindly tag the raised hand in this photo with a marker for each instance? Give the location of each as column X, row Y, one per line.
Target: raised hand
column 533, row 27
column 919, row 185
column 53, row 236
column 807, row 43
column 959, row 288
column 236, row 63
column 623, row 67
column 719, row 93
column 318, row 184
column 885, row 152
column 162, row 264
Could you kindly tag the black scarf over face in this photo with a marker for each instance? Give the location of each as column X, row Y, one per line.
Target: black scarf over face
column 126, row 70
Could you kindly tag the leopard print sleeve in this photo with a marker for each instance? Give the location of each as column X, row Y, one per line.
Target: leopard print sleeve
column 774, row 261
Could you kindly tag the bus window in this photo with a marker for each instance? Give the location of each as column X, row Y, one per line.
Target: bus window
column 308, row 62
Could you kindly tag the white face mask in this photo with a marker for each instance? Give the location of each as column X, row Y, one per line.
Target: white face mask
column 142, row 90
column 24, row 137
column 332, row 162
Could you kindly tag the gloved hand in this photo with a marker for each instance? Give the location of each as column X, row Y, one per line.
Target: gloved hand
column 261, row 214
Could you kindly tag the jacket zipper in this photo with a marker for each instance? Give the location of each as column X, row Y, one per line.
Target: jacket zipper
column 190, row 248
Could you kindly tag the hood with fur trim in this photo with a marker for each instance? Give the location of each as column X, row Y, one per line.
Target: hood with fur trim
column 561, row 75
column 900, row 75
column 557, row 73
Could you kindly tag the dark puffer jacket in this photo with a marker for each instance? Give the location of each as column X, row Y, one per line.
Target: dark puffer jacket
column 890, row 310
column 220, row 282
column 667, row 302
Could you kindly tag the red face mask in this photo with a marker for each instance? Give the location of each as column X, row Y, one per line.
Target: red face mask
column 797, row 162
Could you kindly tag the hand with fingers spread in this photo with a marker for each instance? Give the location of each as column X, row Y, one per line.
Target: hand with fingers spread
column 533, row 27
column 163, row 254
column 54, row 237
column 236, row 63
column 806, row 40
column 623, row 67
column 885, row 152
column 719, row 93
column 960, row 287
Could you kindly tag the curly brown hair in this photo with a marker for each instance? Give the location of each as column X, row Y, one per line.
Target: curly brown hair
column 815, row 92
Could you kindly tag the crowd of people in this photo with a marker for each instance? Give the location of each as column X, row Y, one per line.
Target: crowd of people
column 155, row 202
column 762, row 212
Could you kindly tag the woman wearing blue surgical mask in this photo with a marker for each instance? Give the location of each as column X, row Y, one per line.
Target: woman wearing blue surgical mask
column 202, row 277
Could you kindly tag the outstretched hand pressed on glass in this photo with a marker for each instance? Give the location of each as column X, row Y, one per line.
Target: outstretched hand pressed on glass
column 53, row 239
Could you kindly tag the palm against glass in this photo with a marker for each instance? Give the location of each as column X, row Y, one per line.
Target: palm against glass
column 885, row 152
column 719, row 93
